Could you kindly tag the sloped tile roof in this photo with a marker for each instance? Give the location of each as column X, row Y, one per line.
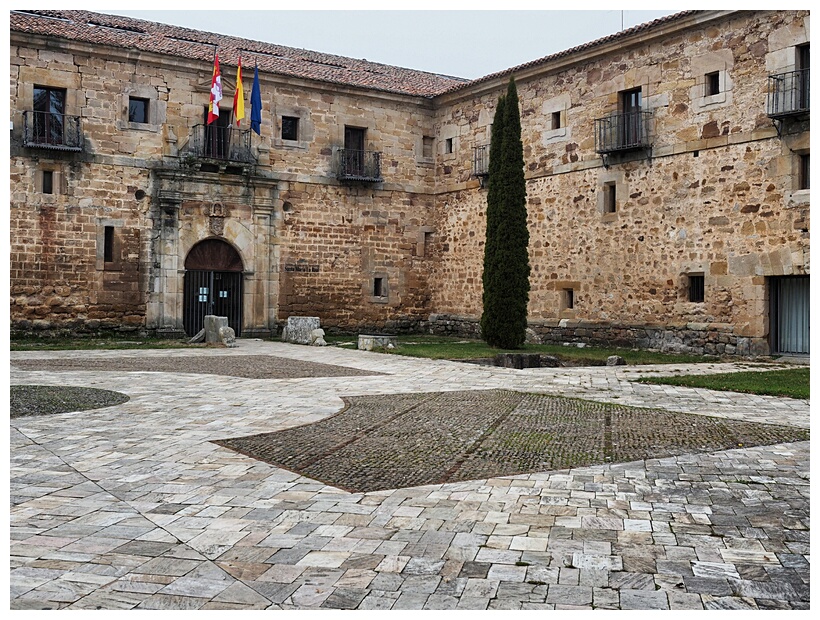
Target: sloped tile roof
column 623, row 34
column 126, row 32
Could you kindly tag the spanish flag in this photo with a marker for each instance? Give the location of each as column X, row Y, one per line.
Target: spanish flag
column 239, row 96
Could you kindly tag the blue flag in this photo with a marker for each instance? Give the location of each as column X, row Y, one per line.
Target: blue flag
column 256, row 104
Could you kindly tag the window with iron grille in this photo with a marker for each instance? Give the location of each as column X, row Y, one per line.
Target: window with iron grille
column 49, row 114
column 696, row 288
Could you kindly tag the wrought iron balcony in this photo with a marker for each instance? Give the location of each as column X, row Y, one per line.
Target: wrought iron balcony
column 622, row 132
column 788, row 94
column 51, row 130
column 481, row 160
column 228, row 144
column 355, row 165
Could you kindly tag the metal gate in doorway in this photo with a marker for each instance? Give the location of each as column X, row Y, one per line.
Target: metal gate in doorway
column 213, row 285
column 212, row 292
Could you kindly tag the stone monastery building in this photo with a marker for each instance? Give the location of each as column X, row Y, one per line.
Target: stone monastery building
column 667, row 176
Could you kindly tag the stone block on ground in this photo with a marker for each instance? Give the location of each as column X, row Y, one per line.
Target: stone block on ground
column 215, row 328
column 317, row 338
column 299, row 328
column 615, row 360
column 368, row 342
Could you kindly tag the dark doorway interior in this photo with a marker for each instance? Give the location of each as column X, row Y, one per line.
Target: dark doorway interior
column 213, row 285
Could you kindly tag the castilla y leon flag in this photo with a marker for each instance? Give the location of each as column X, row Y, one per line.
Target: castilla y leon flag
column 216, row 92
column 239, row 96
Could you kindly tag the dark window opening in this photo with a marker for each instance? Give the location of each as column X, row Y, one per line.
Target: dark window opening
column 428, row 243
column 290, row 128
column 696, row 288
column 569, row 297
column 556, row 120
column 108, row 245
column 137, row 110
column 610, row 198
column 448, row 145
column 378, row 287
column 805, row 172
column 218, row 135
column 48, row 181
column 712, row 83
column 49, row 114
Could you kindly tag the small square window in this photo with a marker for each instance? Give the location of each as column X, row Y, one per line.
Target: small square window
column 556, row 120
column 712, row 83
column 290, row 128
column 427, row 146
column 805, row 172
column 137, row 110
column 48, row 181
column 448, row 145
column 696, row 288
column 610, row 198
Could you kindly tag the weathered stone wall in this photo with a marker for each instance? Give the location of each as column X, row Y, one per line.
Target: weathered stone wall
column 716, row 196
column 336, row 241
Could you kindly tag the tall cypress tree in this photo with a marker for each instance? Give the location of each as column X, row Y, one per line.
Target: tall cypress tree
column 506, row 276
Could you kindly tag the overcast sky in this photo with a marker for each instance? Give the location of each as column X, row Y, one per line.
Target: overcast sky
column 462, row 43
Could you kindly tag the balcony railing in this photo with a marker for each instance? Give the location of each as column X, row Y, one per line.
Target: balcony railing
column 622, row 132
column 481, row 160
column 221, row 143
column 355, row 165
column 788, row 94
column 50, row 130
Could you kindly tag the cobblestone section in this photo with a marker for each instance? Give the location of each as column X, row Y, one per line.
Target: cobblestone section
column 25, row 400
column 247, row 366
column 396, row 441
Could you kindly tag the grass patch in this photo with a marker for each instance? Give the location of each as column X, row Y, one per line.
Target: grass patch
column 96, row 343
column 443, row 347
column 791, row 382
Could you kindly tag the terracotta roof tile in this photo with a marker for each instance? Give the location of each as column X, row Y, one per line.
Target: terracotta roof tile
column 126, row 32
column 150, row 36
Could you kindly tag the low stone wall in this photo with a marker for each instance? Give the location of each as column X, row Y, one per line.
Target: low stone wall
column 694, row 338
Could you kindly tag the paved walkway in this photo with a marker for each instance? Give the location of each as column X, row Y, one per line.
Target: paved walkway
column 133, row 506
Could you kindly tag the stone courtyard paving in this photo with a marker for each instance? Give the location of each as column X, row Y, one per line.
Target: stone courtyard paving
column 136, row 506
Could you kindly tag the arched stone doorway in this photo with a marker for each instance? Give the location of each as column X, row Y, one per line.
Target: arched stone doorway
column 213, row 285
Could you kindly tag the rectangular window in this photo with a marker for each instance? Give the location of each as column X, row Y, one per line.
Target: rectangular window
column 49, row 114
column 48, row 181
column 569, row 298
column 556, row 120
column 218, row 135
column 428, row 244
column 448, row 145
column 712, row 83
column 610, row 198
column 427, row 146
column 137, row 110
column 108, row 245
column 378, row 287
column 290, row 128
column 805, row 171
column 696, row 288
